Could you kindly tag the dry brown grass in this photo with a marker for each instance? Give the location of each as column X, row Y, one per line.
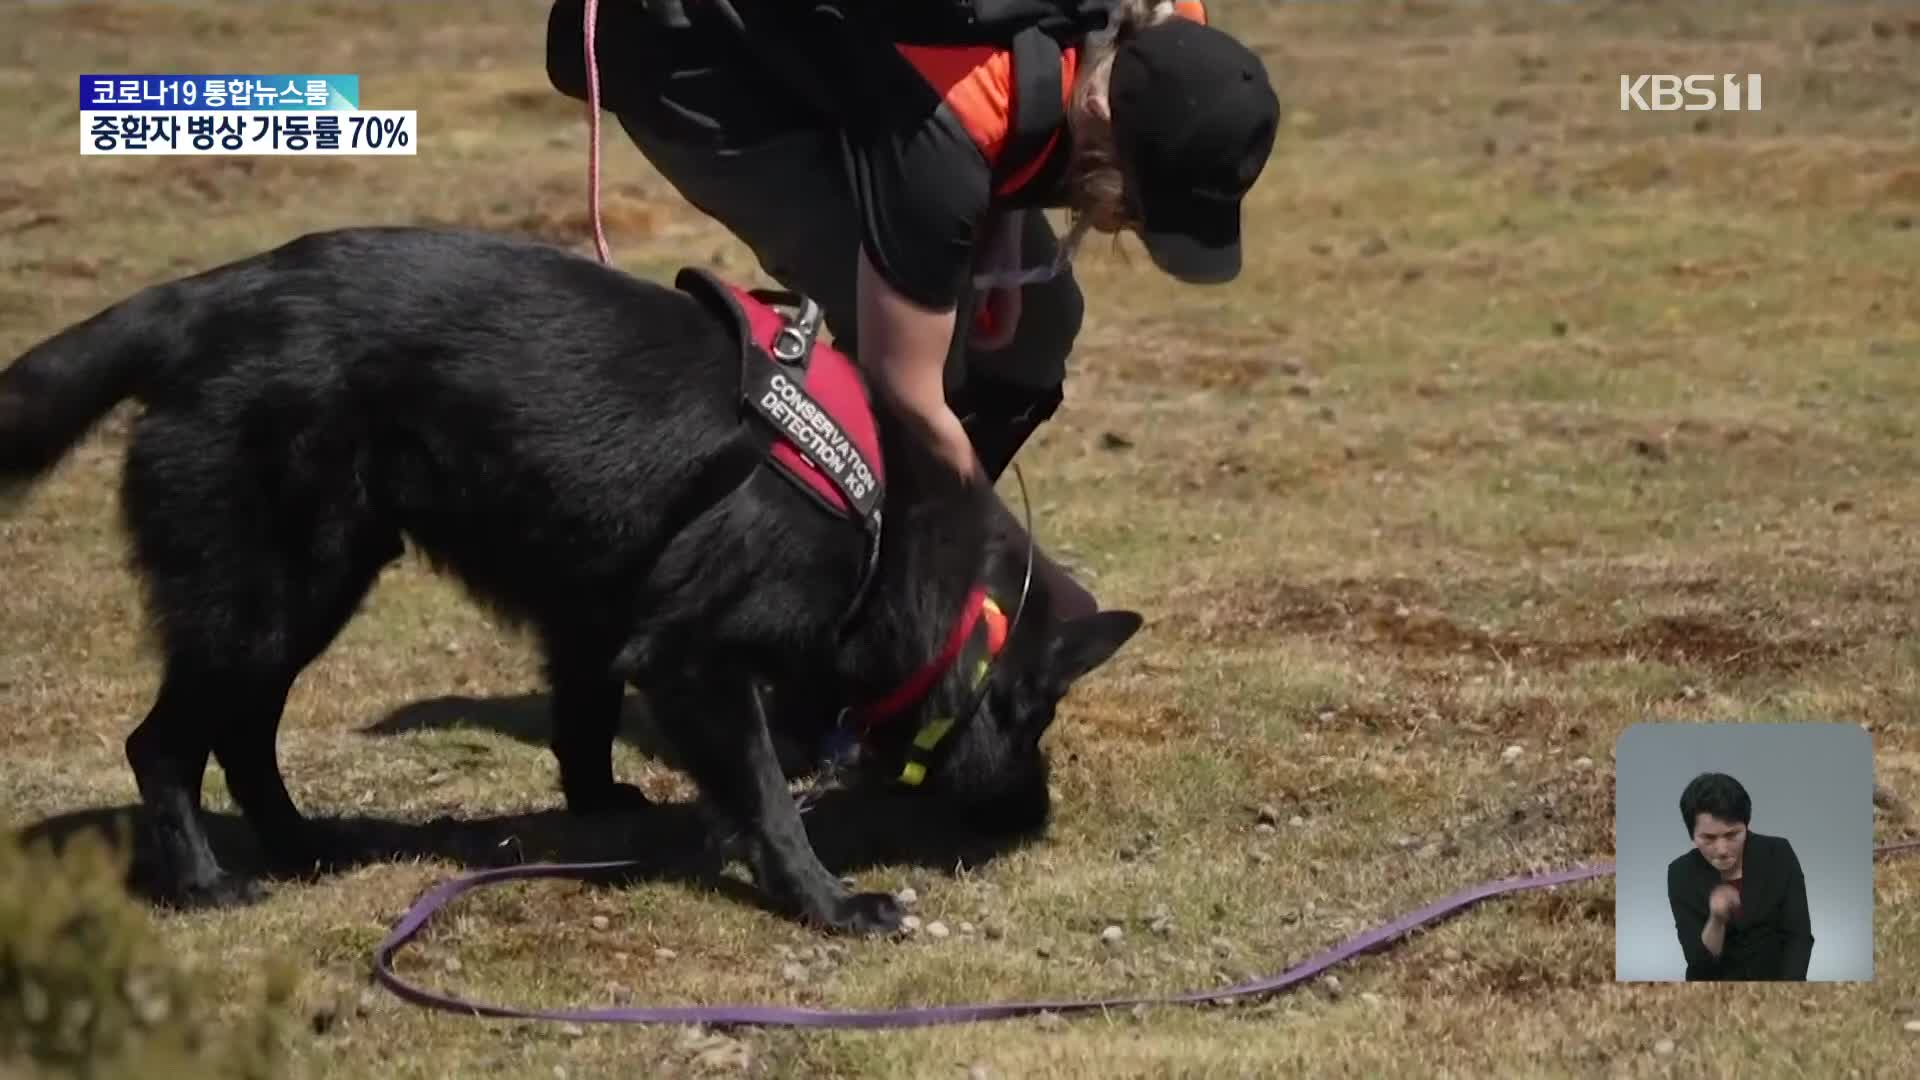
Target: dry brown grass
column 1531, row 420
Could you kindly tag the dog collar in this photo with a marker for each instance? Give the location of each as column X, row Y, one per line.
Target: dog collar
column 979, row 608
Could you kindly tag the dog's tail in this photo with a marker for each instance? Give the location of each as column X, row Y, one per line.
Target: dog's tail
column 54, row 394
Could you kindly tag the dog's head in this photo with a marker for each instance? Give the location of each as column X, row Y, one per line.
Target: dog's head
column 973, row 743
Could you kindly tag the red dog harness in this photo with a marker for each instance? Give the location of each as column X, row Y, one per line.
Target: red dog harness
column 825, row 440
column 810, row 392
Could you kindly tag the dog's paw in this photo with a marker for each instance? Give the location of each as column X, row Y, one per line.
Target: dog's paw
column 863, row 914
column 216, row 894
column 321, row 848
column 611, row 799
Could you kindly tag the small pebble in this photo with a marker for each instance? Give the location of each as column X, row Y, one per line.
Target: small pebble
column 1371, row 998
column 1221, row 946
column 1112, row 935
column 978, row 1072
column 805, row 955
column 1511, row 753
column 1139, row 1013
column 995, row 931
column 1297, row 821
column 1912, row 1026
column 907, row 897
column 794, row 973
column 453, row 963
column 1263, row 827
column 936, row 929
column 1161, row 925
column 1269, row 814
column 1332, row 983
column 1583, row 763
column 1450, row 954
column 966, row 928
column 1664, row 1046
column 600, row 922
column 572, row 1031
column 1044, row 950
column 911, row 924
column 1050, row 1021
column 559, row 1072
column 664, row 954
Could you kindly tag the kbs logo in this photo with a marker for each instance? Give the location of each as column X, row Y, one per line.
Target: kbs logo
column 1694, row 93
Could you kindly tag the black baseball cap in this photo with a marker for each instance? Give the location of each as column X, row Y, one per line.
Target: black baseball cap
column 1194, row 119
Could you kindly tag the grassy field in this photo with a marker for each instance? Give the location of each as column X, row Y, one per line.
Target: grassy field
column 1531, row 419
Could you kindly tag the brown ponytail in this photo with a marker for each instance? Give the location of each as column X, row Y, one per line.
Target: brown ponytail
column 1096, row 191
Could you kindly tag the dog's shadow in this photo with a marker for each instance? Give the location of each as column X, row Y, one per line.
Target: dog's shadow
column 851, row 830
column 525, row 718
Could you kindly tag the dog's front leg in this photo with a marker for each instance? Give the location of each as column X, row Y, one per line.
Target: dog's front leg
column 727, row 747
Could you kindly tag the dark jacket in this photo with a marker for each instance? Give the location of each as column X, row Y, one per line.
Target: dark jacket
column 1770, row 938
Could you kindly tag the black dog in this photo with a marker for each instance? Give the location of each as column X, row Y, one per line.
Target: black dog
column 569, row 443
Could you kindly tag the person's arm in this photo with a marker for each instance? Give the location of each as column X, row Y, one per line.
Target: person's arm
column 904, row 346
column 922, row 194
column 1702, row 937
column 1714, row 935
column 1798, row 923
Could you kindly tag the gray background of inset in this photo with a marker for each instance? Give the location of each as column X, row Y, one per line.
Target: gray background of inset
column 1811, row 783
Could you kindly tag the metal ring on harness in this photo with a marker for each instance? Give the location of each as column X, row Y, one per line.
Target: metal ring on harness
column 796, row 336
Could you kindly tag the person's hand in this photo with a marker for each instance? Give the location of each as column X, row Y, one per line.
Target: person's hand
column 997, row 316
column 996, row 321
column 1724, row 902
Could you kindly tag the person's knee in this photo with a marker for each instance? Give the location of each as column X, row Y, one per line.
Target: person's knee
column 1000, row 416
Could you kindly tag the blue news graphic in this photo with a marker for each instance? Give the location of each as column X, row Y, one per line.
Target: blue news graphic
column 239, row 93
column 237, row 114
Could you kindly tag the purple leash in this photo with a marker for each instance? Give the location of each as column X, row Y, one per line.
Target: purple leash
column 773, row 1016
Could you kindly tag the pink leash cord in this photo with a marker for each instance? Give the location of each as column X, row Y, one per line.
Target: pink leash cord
column 593, row 136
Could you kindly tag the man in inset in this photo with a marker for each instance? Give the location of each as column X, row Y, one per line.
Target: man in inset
column 1739, row 899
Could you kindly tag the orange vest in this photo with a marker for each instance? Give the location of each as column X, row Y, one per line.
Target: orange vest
column 976, row 83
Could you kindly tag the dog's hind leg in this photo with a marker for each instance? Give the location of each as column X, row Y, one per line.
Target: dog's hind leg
column 328, row 585
column 720, row 730
column 245, row 743
column 251, row 570
column 168, row 755
column 585, row 715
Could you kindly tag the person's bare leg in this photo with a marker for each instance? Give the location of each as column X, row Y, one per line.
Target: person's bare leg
column 1071, row 600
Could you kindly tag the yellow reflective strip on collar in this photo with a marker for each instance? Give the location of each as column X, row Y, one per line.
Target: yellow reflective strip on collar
column 935, row 730
column 913, row 773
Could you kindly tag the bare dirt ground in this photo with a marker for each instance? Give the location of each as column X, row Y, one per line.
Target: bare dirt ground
column 1530, row 420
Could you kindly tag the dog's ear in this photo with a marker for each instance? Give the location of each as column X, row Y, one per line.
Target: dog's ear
column 1083, row 644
